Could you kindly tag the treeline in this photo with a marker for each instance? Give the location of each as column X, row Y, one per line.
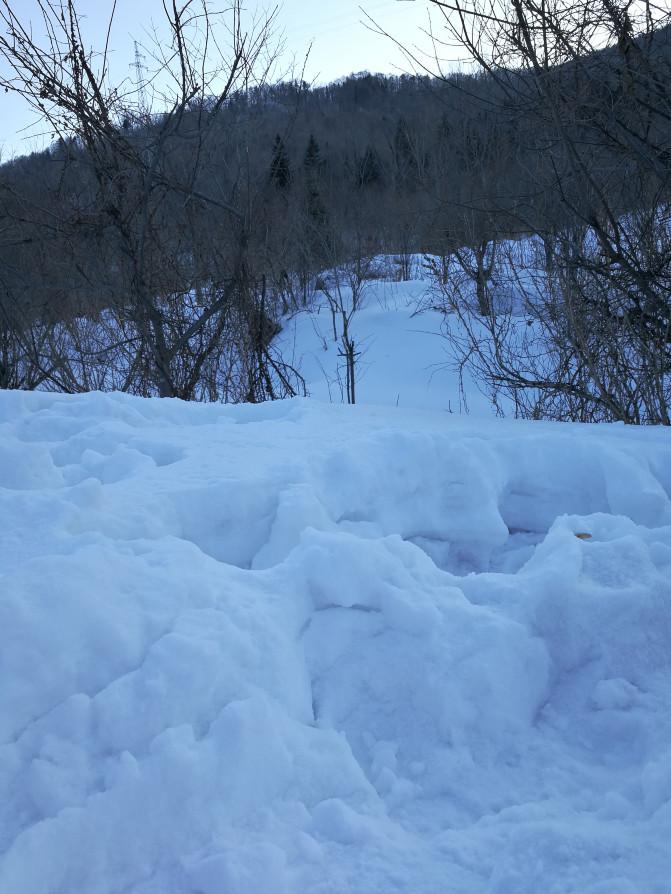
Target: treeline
column 369, row 164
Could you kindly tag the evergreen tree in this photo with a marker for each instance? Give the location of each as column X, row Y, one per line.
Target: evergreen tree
column 312, row 161
column 405, row 158
column 444, row 132
column 369, row 169
column 312, row 166
column 280, row 169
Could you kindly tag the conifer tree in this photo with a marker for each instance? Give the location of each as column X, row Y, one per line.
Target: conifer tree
column 312, row 161
column 369, row 169
column 312, row 166
column 407, row 173
column 280, row 168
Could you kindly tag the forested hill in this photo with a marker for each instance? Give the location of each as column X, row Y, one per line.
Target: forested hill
column 371, row 163
column 368, row 164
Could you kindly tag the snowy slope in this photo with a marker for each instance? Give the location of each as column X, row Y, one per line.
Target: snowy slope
column 404, row 359
column 303, row 647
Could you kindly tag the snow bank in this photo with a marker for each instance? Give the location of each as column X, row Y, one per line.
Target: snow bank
column 299, row 647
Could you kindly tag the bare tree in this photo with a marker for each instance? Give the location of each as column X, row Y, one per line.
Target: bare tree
column 589, row 335
column 168, row 236
column 345, row 291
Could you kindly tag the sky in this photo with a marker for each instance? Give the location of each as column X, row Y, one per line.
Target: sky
column 333, row 31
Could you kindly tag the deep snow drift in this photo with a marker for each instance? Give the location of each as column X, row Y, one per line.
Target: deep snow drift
column 307, row 648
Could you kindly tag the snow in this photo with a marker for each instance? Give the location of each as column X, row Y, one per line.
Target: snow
column 403, row 357
column 303, row 647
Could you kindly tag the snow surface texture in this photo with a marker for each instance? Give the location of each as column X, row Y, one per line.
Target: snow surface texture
column 306, row 648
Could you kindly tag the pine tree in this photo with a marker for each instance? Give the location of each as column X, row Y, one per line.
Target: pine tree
column 369, row 169
column 312, row 161
column 444, row 129
column 313, row 165
column 407, row 173
column 280, row 169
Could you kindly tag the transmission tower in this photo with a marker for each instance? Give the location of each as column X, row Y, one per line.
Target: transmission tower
column 140, row 84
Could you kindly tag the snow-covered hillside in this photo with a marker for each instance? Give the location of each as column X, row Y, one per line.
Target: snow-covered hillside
column 403, row 356
column 302, row 648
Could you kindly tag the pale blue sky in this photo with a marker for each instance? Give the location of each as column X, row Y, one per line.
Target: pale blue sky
column 341, row 44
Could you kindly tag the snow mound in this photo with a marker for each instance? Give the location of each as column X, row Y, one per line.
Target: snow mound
column 300, row 647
